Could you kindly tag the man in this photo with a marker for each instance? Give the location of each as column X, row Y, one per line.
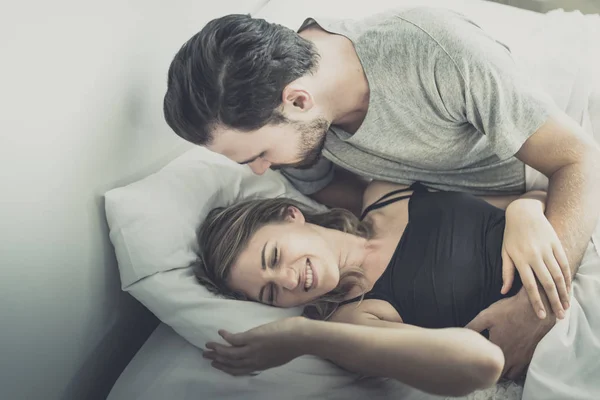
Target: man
column 412, row 95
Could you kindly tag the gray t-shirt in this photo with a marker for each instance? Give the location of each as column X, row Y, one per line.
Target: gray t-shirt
column 448, row 106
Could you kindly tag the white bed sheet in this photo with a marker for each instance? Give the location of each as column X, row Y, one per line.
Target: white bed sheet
column 554, row 46
column 169, row 367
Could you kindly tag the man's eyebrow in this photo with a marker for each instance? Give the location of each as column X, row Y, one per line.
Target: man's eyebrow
column 248, row 161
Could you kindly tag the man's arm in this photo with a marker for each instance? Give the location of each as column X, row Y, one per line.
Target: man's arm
column 571, row 161
column 344, row 191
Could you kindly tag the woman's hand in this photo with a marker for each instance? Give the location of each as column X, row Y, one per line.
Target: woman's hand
column 258, row 349
column 532, row 246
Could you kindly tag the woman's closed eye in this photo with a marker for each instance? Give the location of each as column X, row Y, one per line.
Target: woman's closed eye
column 271, row 288
column 272, row 291
column 275, row 257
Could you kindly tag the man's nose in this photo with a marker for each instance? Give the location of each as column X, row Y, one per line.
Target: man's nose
column 259, row 166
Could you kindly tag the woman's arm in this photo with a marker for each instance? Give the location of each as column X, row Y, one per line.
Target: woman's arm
column 452, row 362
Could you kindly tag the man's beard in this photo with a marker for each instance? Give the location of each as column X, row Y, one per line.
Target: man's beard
column 312, row 141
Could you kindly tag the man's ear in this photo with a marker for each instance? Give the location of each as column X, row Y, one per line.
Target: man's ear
column 296, row 99
column 293, row 214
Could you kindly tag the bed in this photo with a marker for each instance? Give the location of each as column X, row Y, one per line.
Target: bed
column 560, row 49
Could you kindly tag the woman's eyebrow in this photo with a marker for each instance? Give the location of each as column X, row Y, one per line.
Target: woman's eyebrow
column 262, row 257
column 264, row 266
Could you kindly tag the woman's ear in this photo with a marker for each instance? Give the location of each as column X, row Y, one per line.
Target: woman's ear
column 293, row 214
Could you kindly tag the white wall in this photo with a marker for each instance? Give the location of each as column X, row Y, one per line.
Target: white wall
column 81, row 86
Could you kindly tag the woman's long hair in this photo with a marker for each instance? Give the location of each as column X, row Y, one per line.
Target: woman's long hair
column 226, row 231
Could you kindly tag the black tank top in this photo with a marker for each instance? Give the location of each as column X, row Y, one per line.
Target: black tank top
column 447, row 266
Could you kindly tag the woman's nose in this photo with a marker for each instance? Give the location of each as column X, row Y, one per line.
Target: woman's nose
column 286, row 278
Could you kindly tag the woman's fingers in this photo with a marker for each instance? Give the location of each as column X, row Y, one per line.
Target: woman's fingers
column 531, row 287
column 236, row 339
column 550, row 288
column 508, row 272
column 559, row 280
column 563, row 262
column 231, row 352
column 232, row 370
column 228, row 361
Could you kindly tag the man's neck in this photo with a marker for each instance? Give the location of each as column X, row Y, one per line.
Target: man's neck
column 342, row 83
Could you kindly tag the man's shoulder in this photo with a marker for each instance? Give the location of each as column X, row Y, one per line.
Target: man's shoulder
column 390, row 20
column 425, row 19
column 414, row 31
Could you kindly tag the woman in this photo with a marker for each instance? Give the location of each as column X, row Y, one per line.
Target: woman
column 416, row 260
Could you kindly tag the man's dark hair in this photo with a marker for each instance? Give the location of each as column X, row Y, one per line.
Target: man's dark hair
column 233, row 72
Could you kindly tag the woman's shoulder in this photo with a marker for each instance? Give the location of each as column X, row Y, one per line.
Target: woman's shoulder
column 376, row 189
column 356, row 311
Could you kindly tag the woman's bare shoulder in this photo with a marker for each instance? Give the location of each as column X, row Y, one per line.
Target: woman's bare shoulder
column 376, row 189
column 356, row 312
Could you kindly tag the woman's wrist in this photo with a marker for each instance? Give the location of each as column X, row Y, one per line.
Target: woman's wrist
column 532, row 200
column 527, row 205
column 306, row 334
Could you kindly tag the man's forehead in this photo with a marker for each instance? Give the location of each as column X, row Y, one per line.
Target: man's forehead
column 229, row 143
column 222, row 134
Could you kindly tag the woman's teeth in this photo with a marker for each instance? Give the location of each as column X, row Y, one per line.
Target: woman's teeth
column 309, row 276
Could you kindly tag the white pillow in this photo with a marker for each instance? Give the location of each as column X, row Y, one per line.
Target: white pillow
column 153, row 224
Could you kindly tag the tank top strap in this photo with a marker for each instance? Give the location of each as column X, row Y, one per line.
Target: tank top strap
column 389, row 199
column 355, row 299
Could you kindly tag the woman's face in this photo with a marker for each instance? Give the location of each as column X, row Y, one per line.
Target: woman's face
column 287, row 264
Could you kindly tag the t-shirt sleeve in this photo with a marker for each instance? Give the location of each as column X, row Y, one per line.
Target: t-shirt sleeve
column 480, row 83
column 311, row 180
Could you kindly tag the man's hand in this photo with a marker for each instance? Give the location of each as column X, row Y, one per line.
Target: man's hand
column 514, row 327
